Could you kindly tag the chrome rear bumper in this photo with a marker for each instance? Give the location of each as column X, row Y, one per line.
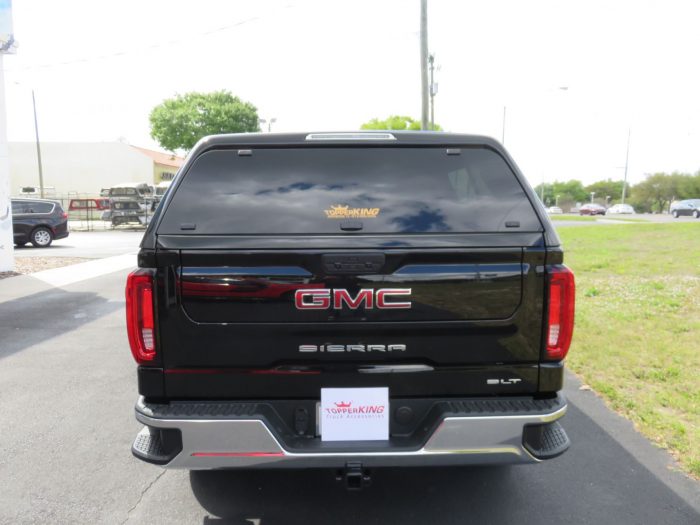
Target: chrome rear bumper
column 249, row 442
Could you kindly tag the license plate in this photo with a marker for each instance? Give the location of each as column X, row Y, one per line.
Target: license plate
column 354, row 414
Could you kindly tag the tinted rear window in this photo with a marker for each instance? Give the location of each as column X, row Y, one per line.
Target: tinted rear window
column 323, row 190
column 32, row 207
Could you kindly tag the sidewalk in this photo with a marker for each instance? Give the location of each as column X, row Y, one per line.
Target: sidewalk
column 19, row 286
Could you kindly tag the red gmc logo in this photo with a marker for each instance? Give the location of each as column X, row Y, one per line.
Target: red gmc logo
column 324, row 298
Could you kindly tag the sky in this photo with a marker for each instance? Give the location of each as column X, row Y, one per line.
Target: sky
column 98, row 67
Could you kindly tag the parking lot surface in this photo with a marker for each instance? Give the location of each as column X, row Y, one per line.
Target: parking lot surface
column 91, row 245
column 68, row 387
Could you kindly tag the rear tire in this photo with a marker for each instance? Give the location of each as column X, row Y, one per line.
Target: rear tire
column 41, row 237
column 675, row 214
column 696, row 214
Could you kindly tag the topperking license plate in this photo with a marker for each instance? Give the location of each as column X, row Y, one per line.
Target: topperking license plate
column 354, row 414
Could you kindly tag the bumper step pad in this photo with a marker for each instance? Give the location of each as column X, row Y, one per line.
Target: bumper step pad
column 546, row 441
column 150, row 446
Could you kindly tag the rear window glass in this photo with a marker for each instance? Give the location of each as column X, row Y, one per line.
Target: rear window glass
column 331, row 190
column 32, row 207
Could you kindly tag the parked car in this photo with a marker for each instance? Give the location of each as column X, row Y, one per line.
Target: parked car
column 38, row 221
column 621, row 209
column 686, row 207
column 81, row 209
column 554, row 210
column 591, row 209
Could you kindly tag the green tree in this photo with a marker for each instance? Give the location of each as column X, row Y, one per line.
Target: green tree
column 657, row 191
column 688, row 186
column 396, row 122
column 609, row 187
column 179, row 122
column 568, row 193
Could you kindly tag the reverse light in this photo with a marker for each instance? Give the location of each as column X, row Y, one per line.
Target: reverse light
column 139, row 315
column 560, row 315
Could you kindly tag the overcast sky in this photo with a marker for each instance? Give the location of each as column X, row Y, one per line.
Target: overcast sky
column 98, row 67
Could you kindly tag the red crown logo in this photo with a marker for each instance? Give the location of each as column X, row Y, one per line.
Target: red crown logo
column 342, row 404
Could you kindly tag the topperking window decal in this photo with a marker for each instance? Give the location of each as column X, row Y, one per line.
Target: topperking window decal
column 344, row 211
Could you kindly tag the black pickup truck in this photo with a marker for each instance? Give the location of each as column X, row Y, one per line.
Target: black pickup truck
column 349, row 300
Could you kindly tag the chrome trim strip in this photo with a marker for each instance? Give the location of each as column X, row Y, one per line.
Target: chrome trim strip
column 458, row 440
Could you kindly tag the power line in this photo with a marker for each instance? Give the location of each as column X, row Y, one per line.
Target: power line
column 158, row 45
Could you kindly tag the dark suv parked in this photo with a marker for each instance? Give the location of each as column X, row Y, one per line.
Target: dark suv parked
column 38, row 221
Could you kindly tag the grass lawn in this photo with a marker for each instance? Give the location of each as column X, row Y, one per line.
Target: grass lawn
column 623, row 218
column 637, row 335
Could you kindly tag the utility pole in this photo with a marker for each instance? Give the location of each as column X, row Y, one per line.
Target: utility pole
column 542, row 190
column 433, row 91
column 424, row 63
column 503, row 128
column 627, row 157
column 38, row 148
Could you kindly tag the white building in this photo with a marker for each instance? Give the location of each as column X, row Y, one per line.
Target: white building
column 86, row 167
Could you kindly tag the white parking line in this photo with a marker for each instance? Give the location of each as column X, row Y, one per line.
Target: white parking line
column 86, row 270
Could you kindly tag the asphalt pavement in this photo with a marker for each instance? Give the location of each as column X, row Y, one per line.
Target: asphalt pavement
column 67, row 389
column 91, row 245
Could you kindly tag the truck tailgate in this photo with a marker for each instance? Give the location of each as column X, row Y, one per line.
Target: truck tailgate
column 232, row 318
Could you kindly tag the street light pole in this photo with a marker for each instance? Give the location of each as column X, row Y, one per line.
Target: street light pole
column 627, row 156
column 268, row 122
column 38, row 148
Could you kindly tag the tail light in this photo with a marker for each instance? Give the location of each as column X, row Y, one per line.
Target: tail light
column 139, row 315
column 560, row 315
column 64, row 215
